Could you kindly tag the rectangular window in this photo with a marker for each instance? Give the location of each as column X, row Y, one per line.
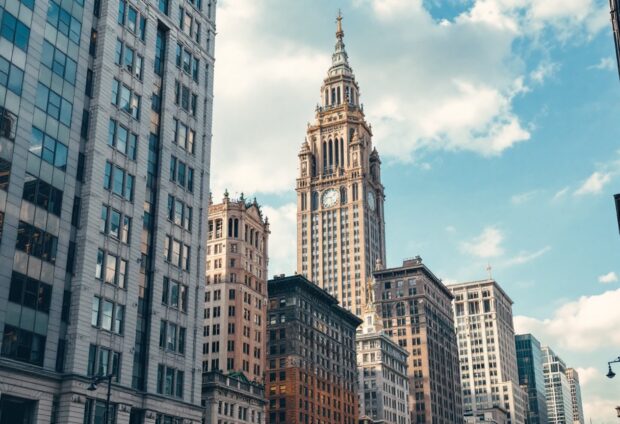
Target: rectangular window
column 49, row 149
column 15, row 31
column 64, row 21
column 42, row 194
column 5, row 174
column 11, row 76
column 36, row 242
column 53, row 104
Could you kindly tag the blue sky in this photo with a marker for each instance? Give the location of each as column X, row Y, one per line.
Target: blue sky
column 497, row 125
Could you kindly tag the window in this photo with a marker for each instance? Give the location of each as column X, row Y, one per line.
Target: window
column 11, row 76
column 36, row 242
column 58, row 62
column 49, row 149
column 163, row 6
column 182, row 96
column 160, row 49
column 64, row 21
column 114, row 266
column 174, row 294
column 23, row 345
column 131, row 19
column 107, row 315
column 172, row 337
column 181, row 174
column 125, row 99
column 30, row 293
column 103, row 361
column 122, row 139
column 179, row 213
column 53, row 104
column 117, row 180
column 94, row 411
column 169, row 381
column 15, row 31
column 177, row 253
column 184, row 136
column 5, row 174
column 186, row 61
column 42, row 194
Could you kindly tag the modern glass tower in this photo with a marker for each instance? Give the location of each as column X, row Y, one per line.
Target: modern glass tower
column 531, row 377
column 105, row 133
column 559, row 398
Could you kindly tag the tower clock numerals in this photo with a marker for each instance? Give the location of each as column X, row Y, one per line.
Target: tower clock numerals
column 330, row 198
column 372, row 201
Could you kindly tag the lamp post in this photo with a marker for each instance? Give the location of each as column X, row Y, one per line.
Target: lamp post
column 93, row 386
column 618, row 411
column 611, row 373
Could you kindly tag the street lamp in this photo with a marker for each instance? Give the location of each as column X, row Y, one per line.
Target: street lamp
column 610, row 373
column 93, row 386
column 618, row 411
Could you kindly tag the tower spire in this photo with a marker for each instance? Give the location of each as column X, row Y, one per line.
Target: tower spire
column 340, row 59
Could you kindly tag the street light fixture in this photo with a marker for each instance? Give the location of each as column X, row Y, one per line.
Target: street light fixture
column 610, row 373
column 618, row 411
column 93, row 386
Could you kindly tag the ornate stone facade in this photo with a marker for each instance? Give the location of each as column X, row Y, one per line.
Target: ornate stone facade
column 340, row 199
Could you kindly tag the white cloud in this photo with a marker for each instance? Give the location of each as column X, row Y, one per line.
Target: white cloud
column 543, row 72
column 594, row 184
column 588, row 375
column 486, row 245
column 521, row 198
column 583, row 325
column 525, row 257
column 610, row 277
column 600, row 410
column 605, row 64
column 560, row 194
column 426, row 85
column 283, row 239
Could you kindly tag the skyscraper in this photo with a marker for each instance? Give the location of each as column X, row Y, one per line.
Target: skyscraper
column 575, row 392
column 312, row 374
column 236, row 289
column 340, row 215
column 105, row 138
column 416, row 312
column 531, row 377
column 487, row 355
column 234, row 350
column 559, row 399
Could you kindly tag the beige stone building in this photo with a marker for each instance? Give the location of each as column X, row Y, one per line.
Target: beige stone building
column 340, row 216
column 236, row 289
column 487, row 353
column 416, row 312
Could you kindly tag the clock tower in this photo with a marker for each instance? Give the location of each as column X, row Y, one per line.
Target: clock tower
column 340, row 215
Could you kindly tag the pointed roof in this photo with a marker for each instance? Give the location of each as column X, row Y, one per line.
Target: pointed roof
column 340, row 58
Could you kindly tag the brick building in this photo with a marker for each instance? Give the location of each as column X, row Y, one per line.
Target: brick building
column 311, row 370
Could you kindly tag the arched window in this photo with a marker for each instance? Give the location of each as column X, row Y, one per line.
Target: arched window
column 236, row 230
column 343, row 195
column 315, row 200
column 313, row 166
column 347, row 95
column 337, row 151
column 331, row 154
column 338, row 95
column 324, row 156
column 342, row 153
column 230, row 227
column 303, row 201
column 354, row 190
column 326, row 97
column 333, row 96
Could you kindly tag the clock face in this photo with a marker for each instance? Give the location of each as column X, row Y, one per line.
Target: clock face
column 330, row 198
column 372, row 202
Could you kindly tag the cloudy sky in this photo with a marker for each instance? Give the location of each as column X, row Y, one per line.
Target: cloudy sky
column 497, row 122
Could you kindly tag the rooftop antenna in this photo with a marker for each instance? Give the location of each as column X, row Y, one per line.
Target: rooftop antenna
column 489, row 269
